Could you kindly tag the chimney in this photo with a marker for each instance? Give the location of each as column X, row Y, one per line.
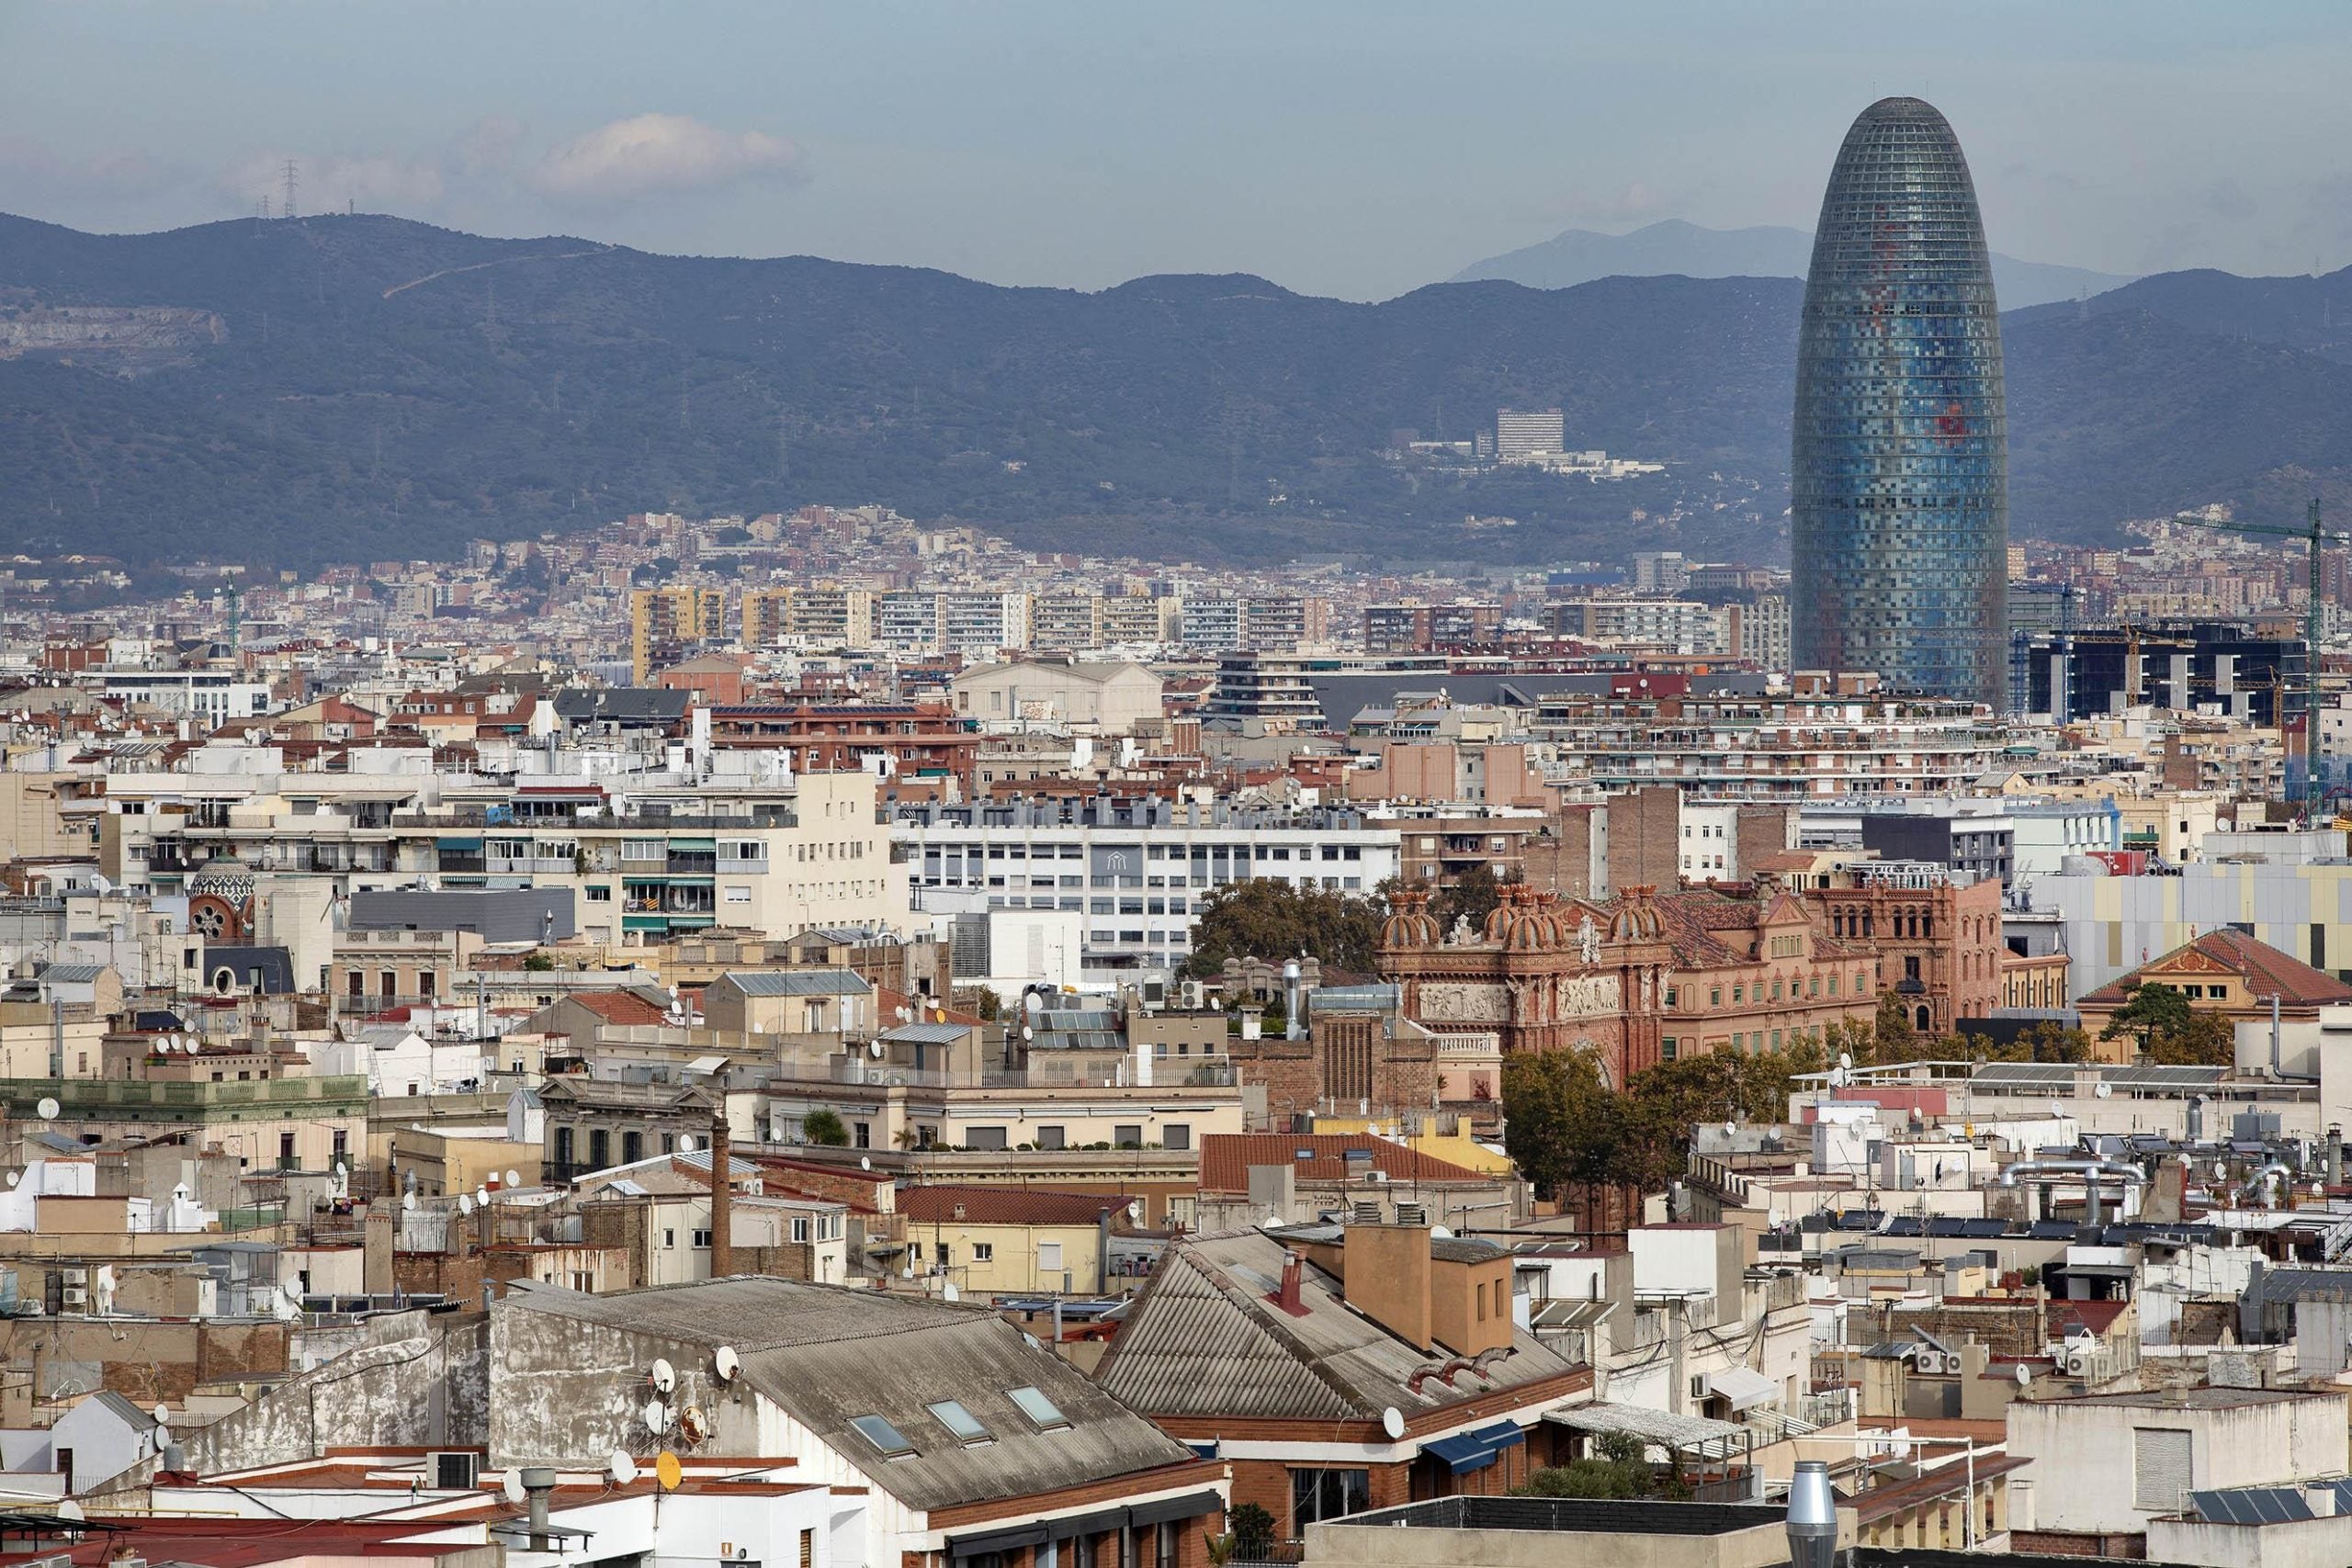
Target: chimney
column 1286, row 1295
column 536, row 1483
column 1813, row 1516
column 722, row 1198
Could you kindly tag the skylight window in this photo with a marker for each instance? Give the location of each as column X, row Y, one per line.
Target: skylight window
column 888, row 1438
column 1039, row 1409
column 965, row 1427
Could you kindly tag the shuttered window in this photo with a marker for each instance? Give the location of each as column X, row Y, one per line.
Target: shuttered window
column 2160, row 1469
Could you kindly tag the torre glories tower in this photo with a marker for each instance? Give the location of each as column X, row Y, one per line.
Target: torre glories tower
column 1899, row 471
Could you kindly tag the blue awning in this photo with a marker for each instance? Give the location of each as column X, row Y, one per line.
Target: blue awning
column 1462, row 1452
column 1501, row 1435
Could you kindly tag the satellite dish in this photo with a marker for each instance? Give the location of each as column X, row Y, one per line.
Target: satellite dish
column 69, row 1509
column 163, row 1415
column 1846, row 1060
column 726, row 1363
column 465, row 1203
column 1731, row 1129
column 873, row 1049
column 685, row 1143
column 48, row 1109
column 15, row 1177
column 2025, row 1374
column 2220, row 1171
column 513, row 1486
column 865, row 1162
column 2104, row 1088
column 513, row 1179
column 1392, row 1421
column 621, row 1468
column 341, row 1169
column 481, row 1196
column 1439, row 1232
column 408, row 1200
column 1135, row 1208
column 657, row 1415
column 665, row 1376
column 668, row 1471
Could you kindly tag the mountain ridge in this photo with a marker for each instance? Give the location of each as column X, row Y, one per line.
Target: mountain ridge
column 363, row 387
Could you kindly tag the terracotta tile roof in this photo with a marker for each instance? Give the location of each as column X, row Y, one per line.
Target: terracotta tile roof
column 1226, row 1159
column 2095, row 1317
column 619, row 1006
column 1005, row 1206
column 2266, row 970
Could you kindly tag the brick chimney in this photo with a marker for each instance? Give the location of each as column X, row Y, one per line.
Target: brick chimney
column 723, row 1199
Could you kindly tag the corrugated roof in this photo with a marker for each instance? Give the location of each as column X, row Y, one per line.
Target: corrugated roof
column 928, row 1034
column 72, row 974
column 1202, row 1339
column 826, row 1354
column 798, row 982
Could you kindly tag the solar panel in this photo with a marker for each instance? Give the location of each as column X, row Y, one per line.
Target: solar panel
column 2252, row 1505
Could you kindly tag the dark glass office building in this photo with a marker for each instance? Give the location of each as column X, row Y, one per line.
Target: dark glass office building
column 1900, row 462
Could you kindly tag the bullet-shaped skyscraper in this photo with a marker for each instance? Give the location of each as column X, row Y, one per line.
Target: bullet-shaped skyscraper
column 1900, row 465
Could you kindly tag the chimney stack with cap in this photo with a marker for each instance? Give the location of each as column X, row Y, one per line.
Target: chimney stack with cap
column 722, row 1198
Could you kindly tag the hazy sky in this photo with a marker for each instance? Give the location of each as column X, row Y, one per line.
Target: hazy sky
column 1358, row 149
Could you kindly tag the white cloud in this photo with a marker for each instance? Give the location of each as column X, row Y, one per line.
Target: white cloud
column 650, row 152
column 31, row 168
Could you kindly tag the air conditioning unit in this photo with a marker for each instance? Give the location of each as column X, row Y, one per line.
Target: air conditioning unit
column 74, row 1297
column 454, row 1471
column 1929, row 1360
column 2076, row 1362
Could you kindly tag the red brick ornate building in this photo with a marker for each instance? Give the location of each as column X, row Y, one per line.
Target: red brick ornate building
column 1545, row 974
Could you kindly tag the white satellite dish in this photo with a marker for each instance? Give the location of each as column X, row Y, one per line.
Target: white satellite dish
column 1846, row 1060
column 657, row 1415
column 513, row 1179
column 70, row 1509
column 1392, row 1421
column 513, row 1486
column 2104, row 1088
column 685, row 1143
column 726, row 1363
column 1439, row 1232
column 1731, row 1129
column 465, row 1203
column 341, row 1169
column 621, row 1468
column 665, row 1376
column 15, row 1177
column 481, row 1196
column 408, row 1200
column 865, row 1162
column 873, row 1049
column 1135, row 1210
column 162, row 1415
column 2025, row 1374
column 48, row 1109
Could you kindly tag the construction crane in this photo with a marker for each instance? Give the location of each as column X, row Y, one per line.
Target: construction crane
column 2319, row 539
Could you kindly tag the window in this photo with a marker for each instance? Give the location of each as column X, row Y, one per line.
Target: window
column 1044, row 1412
column 965, row 1427
column 702, row 1238
column 990, row 1138
column 1049, row 1257
column 984, row 1252
column 1163, row 1552
column 1127, row 1135
column 1053, row 1137
column 2162, row 1461
column 669, row 1240
column 1176, row 1136
column 1318, row 1495
column 861, row 1135
column 800, row 1227
column 887, row 1440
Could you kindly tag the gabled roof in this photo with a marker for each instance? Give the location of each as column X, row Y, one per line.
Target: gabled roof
column 1226, row 1159
column 827, row 1355
column 1005, row 1206
column 2266, row 970
column 622, row 1008
column 1203, row 1340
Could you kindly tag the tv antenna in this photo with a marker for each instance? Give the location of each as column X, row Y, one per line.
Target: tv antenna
column 289, row 188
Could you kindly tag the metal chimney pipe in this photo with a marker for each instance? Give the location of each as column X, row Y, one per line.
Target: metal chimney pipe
column 1291, row 1021
column 1813, row 1516
column 537, row 1482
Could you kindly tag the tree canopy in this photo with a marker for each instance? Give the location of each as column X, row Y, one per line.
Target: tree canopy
column 1275, row 920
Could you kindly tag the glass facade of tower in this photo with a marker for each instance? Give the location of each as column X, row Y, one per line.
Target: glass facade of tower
column 1899, row 470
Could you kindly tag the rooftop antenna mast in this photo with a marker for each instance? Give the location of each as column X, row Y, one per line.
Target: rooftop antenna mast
column 289, row 188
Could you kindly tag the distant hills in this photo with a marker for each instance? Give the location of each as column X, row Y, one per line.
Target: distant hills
column 289, row 393
column 1580, row 255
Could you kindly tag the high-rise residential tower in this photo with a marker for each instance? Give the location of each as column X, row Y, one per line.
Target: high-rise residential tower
column 1899, row 468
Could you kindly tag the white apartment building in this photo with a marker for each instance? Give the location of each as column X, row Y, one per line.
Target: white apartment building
column 211, row 696
column 1681, row 625
column 1136, row 870
column 1527, row 433
column 1764, row 632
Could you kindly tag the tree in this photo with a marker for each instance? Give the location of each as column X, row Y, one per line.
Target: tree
column 1619, row 1466
column 2150, row 1009
column 1275, row 920
column 1252, row 1532
column 1560, row 1123
column 1892, row 1032
column 2207, row 1039
column 824, row 1129
column 1274, row 1020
